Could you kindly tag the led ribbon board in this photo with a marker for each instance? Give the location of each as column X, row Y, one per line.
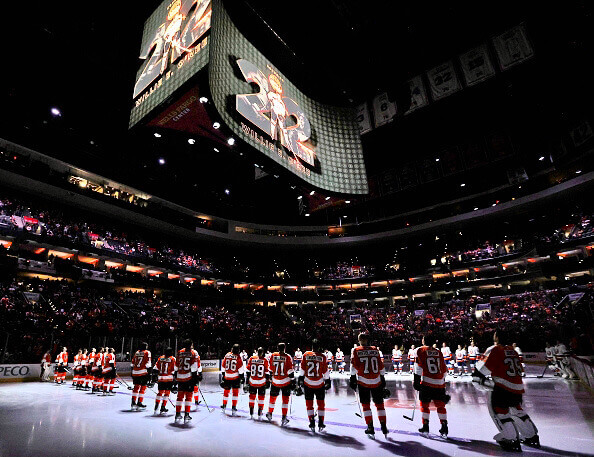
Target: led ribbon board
column 174, row 48
column 319, row 143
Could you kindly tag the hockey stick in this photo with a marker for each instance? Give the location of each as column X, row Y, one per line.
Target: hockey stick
column 156, row 395
column 412, row 417
column 121, row 381
column 543, row 371
column 360, row 413
column 206, row 404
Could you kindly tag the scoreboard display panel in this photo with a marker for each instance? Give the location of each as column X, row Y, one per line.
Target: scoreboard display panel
column 174, row 48
column 319, row 143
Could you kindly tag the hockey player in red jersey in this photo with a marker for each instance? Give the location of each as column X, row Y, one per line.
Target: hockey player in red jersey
column 368, row 376
column 233, row 370
column 258, row 379
column 165, row 367
column 283, row 380
column 188, row 372
column 84, row 369
column 61, row 366
column 429, row 380
column 109, row 372
column 315, row 378
column 76, row 368
column 503, row 364
column 97, row 371
column 141, row 364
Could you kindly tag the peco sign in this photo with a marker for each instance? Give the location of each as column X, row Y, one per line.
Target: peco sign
column 14, row 372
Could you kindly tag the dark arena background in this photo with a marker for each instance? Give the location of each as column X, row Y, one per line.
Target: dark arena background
column 380, row 212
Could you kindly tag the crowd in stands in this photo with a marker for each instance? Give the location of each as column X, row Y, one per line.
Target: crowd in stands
column 37, row 313
column 58, row 227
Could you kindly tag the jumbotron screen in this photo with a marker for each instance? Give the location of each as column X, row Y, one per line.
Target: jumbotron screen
column 319, row 143
column 174, row 48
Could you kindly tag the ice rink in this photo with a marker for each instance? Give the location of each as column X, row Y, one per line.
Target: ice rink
column 42, row 419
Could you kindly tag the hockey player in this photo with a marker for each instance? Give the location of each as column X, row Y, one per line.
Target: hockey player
column 503, row 364
column 397, row 360
column 258, row 380
column 46, row 363
column 84, row 369
column 141, row 364
column 429, row 381
column 97, row 371
column 562, row 359
column 244, row 357
column 315, row 379
column 61, row 366
column 473, row 355
column 368, row 376
column 461, row 360
column 297, row 361
column 550, row 355
column 233, row 371
column 330, row 359
column 109, row 372
column 447, row 357
column 165, row 367
column 340, row 361
column 76, row 368
column 187, row 373
column 283, row 381
column 521, row 357
column 412, row 352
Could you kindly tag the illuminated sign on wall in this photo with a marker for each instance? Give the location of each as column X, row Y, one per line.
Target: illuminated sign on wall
column 319, row 143
column 274, row 113
column 173, row 35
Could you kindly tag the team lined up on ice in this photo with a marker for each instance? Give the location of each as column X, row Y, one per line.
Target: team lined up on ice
column 500, row 365
column 94, row 370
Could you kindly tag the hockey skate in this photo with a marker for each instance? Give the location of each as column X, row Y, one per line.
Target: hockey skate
column 234, row 411
column 178, row 417
column 533, row 441
column 187, row 418
column 321, row 426
column 312, row 425
column 269, row 417
column 425, row 428
column 223, row 408
column 284, row 421
column 443, row 431
column 133, row 406
column 384, row 428
column 370, row 431
column 163, row 411
column 510, row 445
column 140, row 406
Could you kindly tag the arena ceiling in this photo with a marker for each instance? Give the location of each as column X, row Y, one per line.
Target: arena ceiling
column 84, row 63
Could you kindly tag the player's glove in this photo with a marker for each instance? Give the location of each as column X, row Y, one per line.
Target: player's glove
column 386, row 393
column 174, row 388
column 246, row 388
column 293, row 384
column 417, row 382
column 382, row 382
column 353, row 382
column 241, row 380
column 477, row 376
column 200, row 377
column 327, row 384
column 267, row 385
column 194, row 377
column 223, row 383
